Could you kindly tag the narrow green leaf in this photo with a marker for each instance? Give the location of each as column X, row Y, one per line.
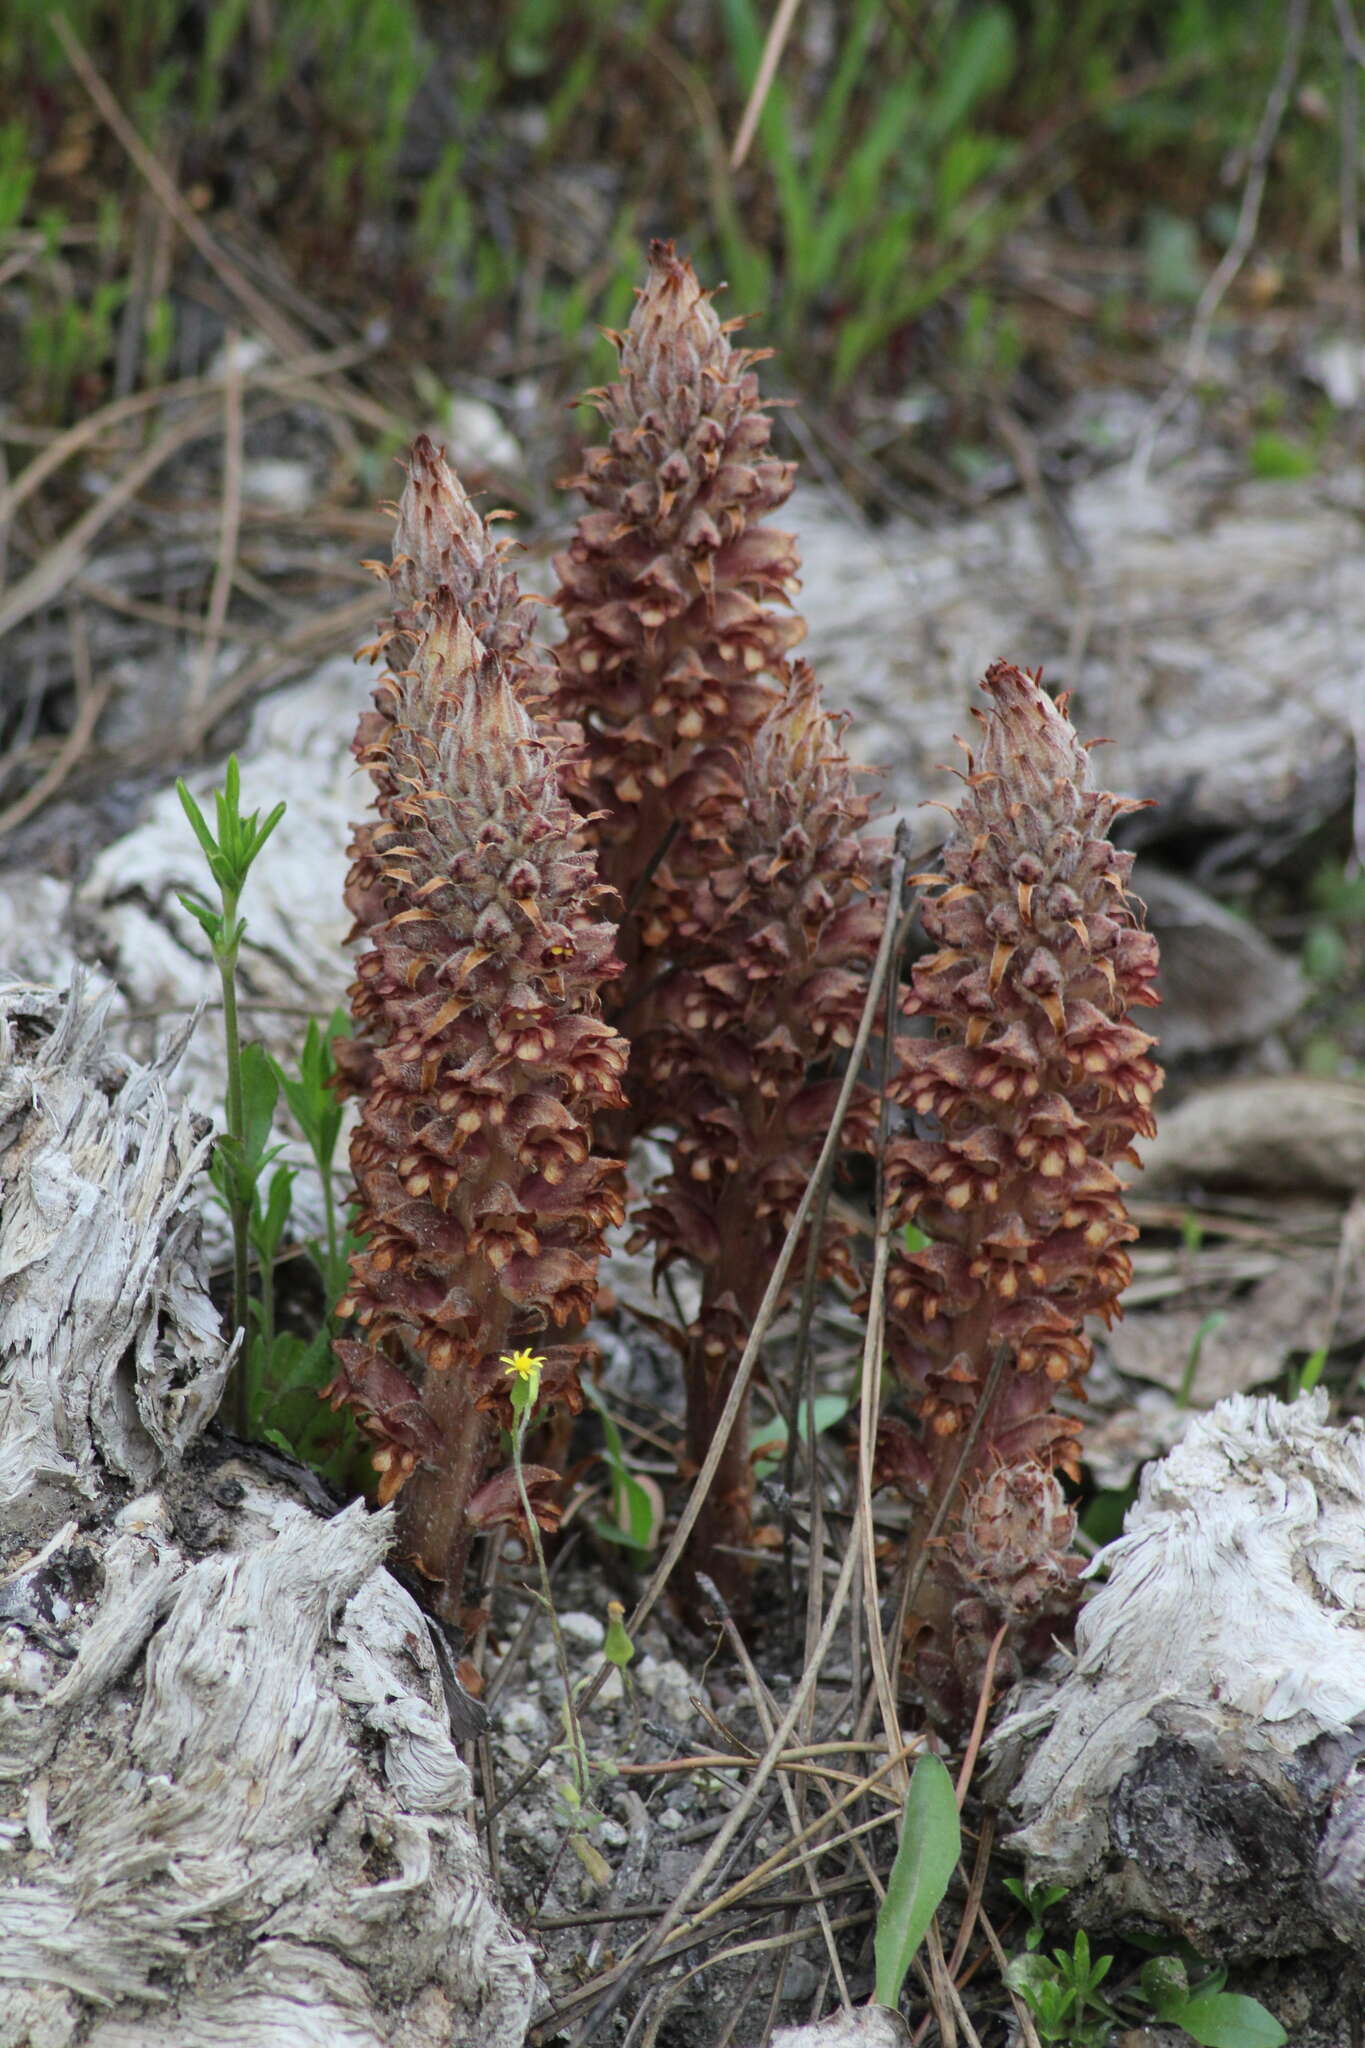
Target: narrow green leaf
column 256, row 838
column 260, row 1093
column 930, row 1845
column 197, row 822
column 978, row 62
column 209, row 920
column 268, row 1220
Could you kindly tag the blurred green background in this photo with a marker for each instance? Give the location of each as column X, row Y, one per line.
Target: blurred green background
column 473, row 185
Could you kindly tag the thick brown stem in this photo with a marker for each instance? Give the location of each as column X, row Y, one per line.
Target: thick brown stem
column 733, row 1289
column 434, row 1530
column 725, row 1525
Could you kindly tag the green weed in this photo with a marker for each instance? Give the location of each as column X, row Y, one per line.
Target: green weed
column 279, row 1372
column 1068, row 2009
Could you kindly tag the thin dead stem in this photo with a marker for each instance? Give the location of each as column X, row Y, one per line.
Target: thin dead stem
column 763, row 1708
column 269, row 376
column 271, row 322
column 1239, row 248
column 229, row 528
column 1028, row 2033
column 773, row 47
column 639, row 1960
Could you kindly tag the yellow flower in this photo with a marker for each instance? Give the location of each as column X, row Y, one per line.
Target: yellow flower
column 524, row 1364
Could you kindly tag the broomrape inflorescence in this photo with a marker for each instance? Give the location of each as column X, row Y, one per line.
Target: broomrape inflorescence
column 773, row 925
column 1032, row 1087
column 674, row 595
column 717, row 796
column 478, row 1048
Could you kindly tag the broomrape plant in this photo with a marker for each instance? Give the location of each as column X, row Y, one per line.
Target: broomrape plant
column 652, row 848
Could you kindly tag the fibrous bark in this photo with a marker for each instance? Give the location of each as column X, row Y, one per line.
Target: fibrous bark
column 231, row 1804
column 1197, row 1768
column 113, row 1356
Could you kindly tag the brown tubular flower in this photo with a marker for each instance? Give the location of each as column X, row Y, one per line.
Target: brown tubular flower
column 1033, row 1086
column 773, row 934
column 670, row 585
column 476, row 1004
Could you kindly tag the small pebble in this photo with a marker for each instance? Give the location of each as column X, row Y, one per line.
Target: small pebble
column 523, row 1717
column 584, row 1631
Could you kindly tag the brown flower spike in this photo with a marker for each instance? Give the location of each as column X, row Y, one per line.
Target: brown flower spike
column 439, row 543
column 482, row 1059
column 773, row 928
column 674, row 595
column 1031, row 1089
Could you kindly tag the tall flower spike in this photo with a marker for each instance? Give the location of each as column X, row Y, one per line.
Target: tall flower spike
column 773, row 927
column 439, row 543
column 481, row 1201
column 1030, row 1091
column 674, row 595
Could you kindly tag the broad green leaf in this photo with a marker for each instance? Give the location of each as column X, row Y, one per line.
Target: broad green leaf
column 772, row 1436
column 930, row 1845
column 1224, row 2019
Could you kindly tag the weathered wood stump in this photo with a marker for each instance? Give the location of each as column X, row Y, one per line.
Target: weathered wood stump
column 1199, row 1770
column 233, row 1812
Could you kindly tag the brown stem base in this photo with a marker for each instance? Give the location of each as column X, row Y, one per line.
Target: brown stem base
column 434, row 1531
column 725, row 1524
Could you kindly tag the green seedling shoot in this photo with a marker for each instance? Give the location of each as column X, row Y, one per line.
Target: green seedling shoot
column 230, row 854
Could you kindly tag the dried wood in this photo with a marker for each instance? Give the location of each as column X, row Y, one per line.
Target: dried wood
column 1196, row 1767
column 233, row 1810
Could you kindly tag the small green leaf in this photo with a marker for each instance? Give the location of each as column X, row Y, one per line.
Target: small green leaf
column 1164, row 1978
column 260, row 1093
column 198, row 824
column 268, row 1220
column 209, row 919
column 637, row 1510
column 1102, row 1520
column 1035, row 1979
column 1275, row 458
column 772, row 1436
column 295, row 1366
column 314, row 1102
column 930, row 1845
column 1174, row 272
